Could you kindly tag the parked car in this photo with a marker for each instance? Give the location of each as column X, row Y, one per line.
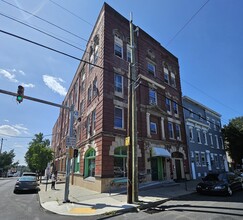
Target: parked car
column 29, row 174
column 26, row 183
column 220, row 184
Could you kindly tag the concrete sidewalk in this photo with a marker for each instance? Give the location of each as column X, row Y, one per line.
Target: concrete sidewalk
column 84, row 202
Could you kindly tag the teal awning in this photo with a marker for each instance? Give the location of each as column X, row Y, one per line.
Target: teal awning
column 160, row 152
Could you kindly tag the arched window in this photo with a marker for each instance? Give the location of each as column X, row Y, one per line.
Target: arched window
column 89, row 163
column 120, row 161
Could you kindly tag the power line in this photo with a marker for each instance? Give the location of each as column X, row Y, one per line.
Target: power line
column 73, row 57
column 183, row 27
column 42, row 19
column 43, row 32
column 70, row 12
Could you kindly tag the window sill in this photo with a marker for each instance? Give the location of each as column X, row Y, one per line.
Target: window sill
column 121, row 129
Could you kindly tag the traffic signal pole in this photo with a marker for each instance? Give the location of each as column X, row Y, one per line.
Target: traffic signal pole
column 71, row 121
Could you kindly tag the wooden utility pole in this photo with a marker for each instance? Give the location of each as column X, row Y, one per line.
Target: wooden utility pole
column 134, row 119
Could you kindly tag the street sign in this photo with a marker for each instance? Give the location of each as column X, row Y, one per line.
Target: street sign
column 70, row 141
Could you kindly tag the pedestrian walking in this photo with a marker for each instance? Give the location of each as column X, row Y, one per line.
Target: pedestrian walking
column 53, row 181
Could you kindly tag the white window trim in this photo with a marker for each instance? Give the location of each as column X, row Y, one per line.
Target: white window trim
column 173, row 135
column 152, row 123
column 120, row 94
column 155, row 93
column 122, row 118
column 119, row 43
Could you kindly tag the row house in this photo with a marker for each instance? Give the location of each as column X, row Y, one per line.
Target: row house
column 99, row 92
column 204, row 139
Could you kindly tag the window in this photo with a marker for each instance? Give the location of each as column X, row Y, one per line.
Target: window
column 129, row 53
column 175, row 108
column 178, row 132
column 197, row 159
column 172, row 80
column 214, row 124
column 153, row 128
column 152, row 97
column 205, row 138
column 216, row 161
column 118, row 84
column 199, row 137
column 77, row 164
column 95, row 87
column 89, row 163
column 93, row 122
column 89, row 94
column 82, row 79
column 168, row 105
column 211, row 139
column 81, row 107
column 151, row 68
column 217, row 141
column 166, row 75
column 203, row 158
column 191, row 133
column 222, row 142
column 118, row 121
column 120, row 161
column 118, row 47
column 88, row 126
column 171, row 130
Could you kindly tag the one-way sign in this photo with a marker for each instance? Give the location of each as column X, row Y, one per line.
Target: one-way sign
column 70, row 141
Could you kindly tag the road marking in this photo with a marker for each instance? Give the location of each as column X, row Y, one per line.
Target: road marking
column 82, row 211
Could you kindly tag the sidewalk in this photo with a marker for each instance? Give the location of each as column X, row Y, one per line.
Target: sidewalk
column 84, row 202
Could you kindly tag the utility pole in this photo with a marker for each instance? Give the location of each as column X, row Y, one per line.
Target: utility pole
column 134, row 119
column 129, row 134
column 2, row 145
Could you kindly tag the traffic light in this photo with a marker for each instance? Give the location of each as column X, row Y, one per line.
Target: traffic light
column 75, row 153
column 20, row 94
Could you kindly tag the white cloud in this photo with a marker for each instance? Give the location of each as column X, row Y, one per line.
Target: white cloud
column 8, row 75
column 54, row 84
column 6, row 120
column 13, row 130
column 29, row 85
column 22, row 72
column 9, row 130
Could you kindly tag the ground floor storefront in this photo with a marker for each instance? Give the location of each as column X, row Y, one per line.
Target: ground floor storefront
column 105, row 159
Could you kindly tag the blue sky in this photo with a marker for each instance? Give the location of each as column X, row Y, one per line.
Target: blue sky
column 209, row 49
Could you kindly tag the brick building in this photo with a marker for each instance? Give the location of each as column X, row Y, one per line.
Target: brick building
column 99, row 93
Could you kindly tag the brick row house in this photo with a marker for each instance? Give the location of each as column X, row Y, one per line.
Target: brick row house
column 99, row 92
column 204, row 137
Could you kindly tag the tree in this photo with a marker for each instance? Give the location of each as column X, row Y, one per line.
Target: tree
column 39, row 154
column 6, row 160
column 233, row 136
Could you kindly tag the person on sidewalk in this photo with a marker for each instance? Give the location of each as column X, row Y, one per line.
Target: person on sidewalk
column 53, row 181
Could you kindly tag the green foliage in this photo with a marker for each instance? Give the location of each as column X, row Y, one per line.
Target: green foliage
column 39, row 153
column 6, row 160
column 233, row 136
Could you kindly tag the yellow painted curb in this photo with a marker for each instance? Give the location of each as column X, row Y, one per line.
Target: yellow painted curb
column 82, row 211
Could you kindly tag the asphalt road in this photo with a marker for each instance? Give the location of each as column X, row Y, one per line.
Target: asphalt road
column 194, row 206
column 24, row 206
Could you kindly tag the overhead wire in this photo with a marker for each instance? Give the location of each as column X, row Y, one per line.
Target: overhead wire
column 70, row 12
column 46, row 21
column 183, row 27
column 43, row 32
column 81, row 60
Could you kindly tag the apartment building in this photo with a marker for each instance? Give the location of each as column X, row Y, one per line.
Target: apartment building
column 99, row 92
column 204, row 139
